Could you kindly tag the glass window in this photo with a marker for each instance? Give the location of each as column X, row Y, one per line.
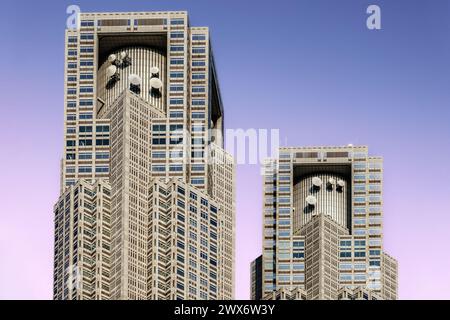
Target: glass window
column 198, row 76
column 198, row 37
column 176, row 87
column 176, row 114
column 101, row 169
column 177, row 21
column 198, row 63
column 177, row 35
column 86, row 49
column 176, row 74
column 176, row 61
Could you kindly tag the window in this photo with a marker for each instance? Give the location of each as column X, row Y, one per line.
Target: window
column 71, row 117
column 176, row 61
column 102, row 142
column 198, row 128
column 198, row 50
column 85, row 129
column 345, row 266
column 87, row 23
column 86, row 89
column 71, row 91
column 176, row 114
column 159, row 154
column 299, row 244
column 71, row 130
column 177, row 35
column 71, row 65
column 177, row 48
column 197, row 141
column 70, row 143
column 176, row 74
column 159, row 127
column 85, row 116
column 102, row 155
column 176, row 167
column 198, row 37
column 176, row 127
column 72, row 52
column 345, row 277
column 159, row 140
column 197, row 154
column 198, row 167
column 71, row 104
column 176, row 140
column 86, row 76
column 72, row 39
column 102, row 169
column 71, row 78
column 198, row 115
column 70, row 169
column 86, row 63
column 87, row 49
column 176, row 101
column 298, row 255
column 374, row 263
column 198, row 76
column 176, row 87
column 198, row 63
column 85, row 169
column 197, row 89
column 176, row 154
column 102, row 128
column 85, row 142
column 87, row 36
column 198, row 102
column 158, row 168
column 86, row 103
column 198, row 181
column 177, row 21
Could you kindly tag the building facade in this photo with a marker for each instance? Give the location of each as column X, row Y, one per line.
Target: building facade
column 143, row 114
column 322, row 229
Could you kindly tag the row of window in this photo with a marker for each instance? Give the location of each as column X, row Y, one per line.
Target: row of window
column 180, row 87
column 88, row 169
column 88, row 129
column 87, row 142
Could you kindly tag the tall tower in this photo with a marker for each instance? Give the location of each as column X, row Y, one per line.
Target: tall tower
column 144, row 119
column 323, row 236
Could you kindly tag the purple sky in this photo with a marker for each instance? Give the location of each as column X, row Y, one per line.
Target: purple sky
column 387, row 89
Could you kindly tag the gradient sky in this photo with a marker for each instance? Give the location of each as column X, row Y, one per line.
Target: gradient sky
column 310, row 68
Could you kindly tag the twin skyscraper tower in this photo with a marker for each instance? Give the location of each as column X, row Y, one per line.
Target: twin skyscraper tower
column 147, row 204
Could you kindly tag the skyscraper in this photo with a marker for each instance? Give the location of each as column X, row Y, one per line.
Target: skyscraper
column 322, row 236
column 147, row 191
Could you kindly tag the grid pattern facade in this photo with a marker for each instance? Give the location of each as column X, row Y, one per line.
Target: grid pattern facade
column 357, row 293
column 221, row 188
column 357, row 253
column 183, row 242
column 256, row 279
column 82, row 266
column 191, row 97
column 321, row 236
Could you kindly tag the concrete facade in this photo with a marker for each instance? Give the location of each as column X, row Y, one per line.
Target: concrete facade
column 143, row 114
column 323, row 223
